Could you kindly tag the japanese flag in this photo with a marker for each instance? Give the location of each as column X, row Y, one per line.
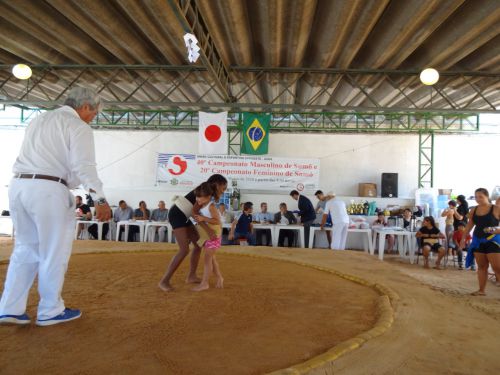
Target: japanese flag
column 213, row 133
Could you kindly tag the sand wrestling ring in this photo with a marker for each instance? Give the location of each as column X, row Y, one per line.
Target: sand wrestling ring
column 272, row 315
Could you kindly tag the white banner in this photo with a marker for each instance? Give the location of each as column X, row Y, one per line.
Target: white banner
column 186, row 171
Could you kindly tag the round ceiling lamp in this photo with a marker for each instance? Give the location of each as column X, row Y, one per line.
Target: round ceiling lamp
column 21, row 71
column 429, row 76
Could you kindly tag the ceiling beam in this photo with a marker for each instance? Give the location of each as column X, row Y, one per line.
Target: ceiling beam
column 115, row 105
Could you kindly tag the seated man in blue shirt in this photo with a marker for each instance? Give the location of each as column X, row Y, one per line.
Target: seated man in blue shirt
column 124, row 213
column 159, row 214
column 242, row 227
column 263, row 217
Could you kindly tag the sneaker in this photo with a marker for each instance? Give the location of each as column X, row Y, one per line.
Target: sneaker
column 66, row 316
column 460, row 267
column 15, row 319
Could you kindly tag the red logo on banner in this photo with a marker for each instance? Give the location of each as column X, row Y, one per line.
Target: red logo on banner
column 213, row 133
column 179, row 163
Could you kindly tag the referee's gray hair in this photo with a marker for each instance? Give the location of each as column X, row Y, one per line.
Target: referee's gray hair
column 79, row 96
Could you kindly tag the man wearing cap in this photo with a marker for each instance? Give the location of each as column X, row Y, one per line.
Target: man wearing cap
column 57, row 154
column 340, row 221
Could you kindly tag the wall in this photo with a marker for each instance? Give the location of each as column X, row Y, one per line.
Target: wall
column 126, row 162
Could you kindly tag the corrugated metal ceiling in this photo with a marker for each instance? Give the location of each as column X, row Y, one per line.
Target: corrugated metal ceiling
column 402, row 35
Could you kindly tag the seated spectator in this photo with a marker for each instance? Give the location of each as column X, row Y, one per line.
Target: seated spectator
column 226, row 218
column 238, row 213
column 407, row 216
column 263, row 217
column 381, row 222
column 82, row 210
column 225, row 215
column 159, row 214
column 94, row 229
column 142, row 213
column 124, row 213
column 285, row 217
column 430, row 236
column 457, row 237
column 82, row 213
column 242, row 227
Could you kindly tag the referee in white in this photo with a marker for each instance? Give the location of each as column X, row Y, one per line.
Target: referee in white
column 57, row 154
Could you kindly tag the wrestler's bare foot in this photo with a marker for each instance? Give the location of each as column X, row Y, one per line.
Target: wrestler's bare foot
column 478, row 293
column 166, row 287
column 220, row 283
column 200, row 287
column 193, row 280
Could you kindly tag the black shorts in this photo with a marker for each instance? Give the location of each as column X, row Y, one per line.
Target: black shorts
column 177, row 219
column 490, row 247
column 434, row 247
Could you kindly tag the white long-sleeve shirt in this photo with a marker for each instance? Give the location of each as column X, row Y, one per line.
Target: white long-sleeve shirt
column 338, row 211
column 58, row 143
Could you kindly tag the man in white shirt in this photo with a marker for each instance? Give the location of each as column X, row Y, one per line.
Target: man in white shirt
column 57, row 154
column 340, row 222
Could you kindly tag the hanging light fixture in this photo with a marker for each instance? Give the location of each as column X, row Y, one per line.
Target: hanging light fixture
column 429, row 76
column 21, row 71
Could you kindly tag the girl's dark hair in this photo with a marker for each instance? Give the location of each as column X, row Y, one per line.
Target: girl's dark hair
column 461, row 199
column 483, row 191
column 141, row 202
column 452, row 203
column 204, row 190
column 431, row 220
column 216, row 180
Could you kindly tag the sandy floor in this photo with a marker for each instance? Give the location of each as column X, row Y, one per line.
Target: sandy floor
column 438, row 328
column 270, row 315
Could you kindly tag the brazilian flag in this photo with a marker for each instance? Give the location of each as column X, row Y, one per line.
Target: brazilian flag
column 255, row 133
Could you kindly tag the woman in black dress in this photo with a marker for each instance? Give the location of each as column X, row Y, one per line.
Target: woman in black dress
column 185, row 232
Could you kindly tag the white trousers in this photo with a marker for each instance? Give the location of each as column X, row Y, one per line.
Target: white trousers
column 161, row 233
column 339, row 236
column 43, row 214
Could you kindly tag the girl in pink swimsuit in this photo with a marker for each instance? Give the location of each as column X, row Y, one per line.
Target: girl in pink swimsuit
column 210, row 215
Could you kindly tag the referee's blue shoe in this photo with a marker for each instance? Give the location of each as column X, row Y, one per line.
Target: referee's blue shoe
column 66, row 316
column 15, row 319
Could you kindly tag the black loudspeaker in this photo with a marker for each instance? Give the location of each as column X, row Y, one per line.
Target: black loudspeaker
column 389, row 185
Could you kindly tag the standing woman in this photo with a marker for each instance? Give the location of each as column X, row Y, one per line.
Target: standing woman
column 450, row 217
column 462, row 211
column 484, row 246
column 185, row 232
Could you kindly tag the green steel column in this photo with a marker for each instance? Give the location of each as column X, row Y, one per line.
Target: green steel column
column 425, row 159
